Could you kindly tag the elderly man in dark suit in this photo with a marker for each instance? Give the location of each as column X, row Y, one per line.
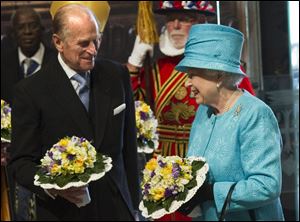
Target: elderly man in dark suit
column 20, row 60
column 77, row 95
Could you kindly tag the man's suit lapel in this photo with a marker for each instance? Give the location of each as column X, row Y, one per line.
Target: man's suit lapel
column 49, row 54
column 66, row 97
column 102, row 102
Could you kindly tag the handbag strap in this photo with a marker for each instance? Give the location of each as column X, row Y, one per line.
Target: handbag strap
column 227, row 203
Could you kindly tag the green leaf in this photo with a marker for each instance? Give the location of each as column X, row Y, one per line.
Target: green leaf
column 150, row 144
column 191, row 184
column 182, row 195
column 197, row 165
column 6, row 134
column 64, row 180
column 84, row 177
column 167, row 203
column 140, row 143
column 152, row 206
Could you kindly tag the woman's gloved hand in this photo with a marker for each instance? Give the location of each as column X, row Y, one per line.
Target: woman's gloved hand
column 204, row 193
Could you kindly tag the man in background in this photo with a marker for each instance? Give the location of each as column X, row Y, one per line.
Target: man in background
column 22, row 59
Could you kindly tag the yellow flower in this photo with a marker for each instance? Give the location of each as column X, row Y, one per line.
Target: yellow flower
column 151, row 164
column 64, row 156
column 85, row 144
column 187, row 176
column 158, row 193
column 63, row 142
column 71, row 150
column 55, row 169
column 179, row 161
column 166, row 171
column 145, row 108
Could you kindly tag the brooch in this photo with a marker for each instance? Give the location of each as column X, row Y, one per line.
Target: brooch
column 238, row 110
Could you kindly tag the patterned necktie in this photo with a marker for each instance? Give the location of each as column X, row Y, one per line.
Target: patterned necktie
column 31, row 67
column 83, row 89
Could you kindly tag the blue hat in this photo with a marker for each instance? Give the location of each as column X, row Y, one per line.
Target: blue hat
column 212, row 46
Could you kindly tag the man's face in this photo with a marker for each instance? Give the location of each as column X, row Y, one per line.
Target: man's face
column 28, row 31
column 178, row 25
column 80, row 46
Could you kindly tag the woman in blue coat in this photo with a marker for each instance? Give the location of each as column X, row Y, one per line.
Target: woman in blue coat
column 236, row 132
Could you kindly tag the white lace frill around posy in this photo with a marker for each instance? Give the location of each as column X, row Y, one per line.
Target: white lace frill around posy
column 4, row 140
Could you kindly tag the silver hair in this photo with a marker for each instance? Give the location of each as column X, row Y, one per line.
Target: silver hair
column 226, row 79
column 230, row 80
column 60, row 18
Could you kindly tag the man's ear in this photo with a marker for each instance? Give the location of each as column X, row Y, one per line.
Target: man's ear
column 58, row 43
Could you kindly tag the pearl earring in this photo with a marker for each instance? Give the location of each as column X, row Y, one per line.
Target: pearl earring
column 218, row 85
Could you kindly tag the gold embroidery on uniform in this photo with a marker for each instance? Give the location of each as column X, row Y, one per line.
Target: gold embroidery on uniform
column 168, row 96
column 181, row 93
column 180, row 110
column 156, row 76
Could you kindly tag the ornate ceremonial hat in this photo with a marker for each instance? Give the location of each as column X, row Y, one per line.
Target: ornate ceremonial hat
column 100, row 9
column 203, row 7
column 212, row 46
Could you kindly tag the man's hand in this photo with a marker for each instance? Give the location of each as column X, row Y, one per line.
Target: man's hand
column 139, row 52
column 73, row 194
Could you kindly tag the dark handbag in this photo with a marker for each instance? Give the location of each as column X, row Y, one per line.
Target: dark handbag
column 227, row 203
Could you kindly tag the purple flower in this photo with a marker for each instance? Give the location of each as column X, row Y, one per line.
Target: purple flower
column 175, row 170
column 144, row 115
column 146, row 189
column 6, row 110
column 70, row 157
column 137, row 104
column 168, row 192
column 61, row 148
column 50, row 154
column 152, row 174
column 161, row 163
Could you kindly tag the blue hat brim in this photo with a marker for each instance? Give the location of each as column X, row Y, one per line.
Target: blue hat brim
column 187, row 63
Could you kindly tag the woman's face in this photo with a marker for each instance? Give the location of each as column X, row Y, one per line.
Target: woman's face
column 203, row 86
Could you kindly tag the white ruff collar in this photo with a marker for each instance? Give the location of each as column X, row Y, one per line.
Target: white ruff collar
column 166, row 47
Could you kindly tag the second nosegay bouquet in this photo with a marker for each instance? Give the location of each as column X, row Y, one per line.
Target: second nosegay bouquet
column 5, row 131
column 168, row 182
column 5, row 122
column 146, row 125
column 72, row 162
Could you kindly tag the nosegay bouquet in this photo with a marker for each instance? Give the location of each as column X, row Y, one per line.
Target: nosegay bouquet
column 168, row 182
column 72, row 162
column 146, row 125
column 5, row 122
column 5, row 131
